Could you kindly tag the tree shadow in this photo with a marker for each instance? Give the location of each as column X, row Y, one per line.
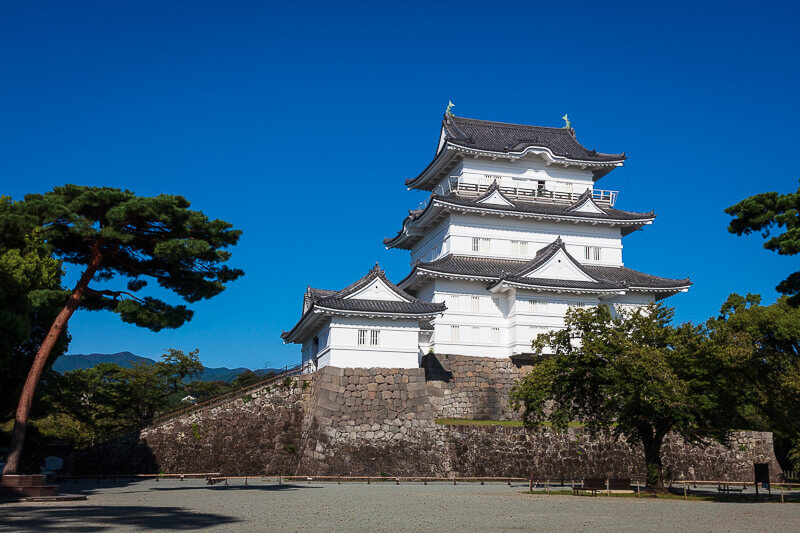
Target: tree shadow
column 222, row 487
column 107, row 518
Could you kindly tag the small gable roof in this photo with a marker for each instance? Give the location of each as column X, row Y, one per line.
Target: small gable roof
column 348, row 301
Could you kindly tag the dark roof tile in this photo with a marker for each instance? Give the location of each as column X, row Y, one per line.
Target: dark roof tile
column 504, row 137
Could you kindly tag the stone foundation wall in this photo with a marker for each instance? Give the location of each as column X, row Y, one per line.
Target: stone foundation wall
column 262, row 431
column 369, row 421
column 472, row 387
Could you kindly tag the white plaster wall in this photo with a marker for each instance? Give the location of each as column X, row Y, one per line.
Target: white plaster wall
column 525, row 172
column 435, row 243
column 502, row 231
column 398, row 346
column 475, row 327
column 630, row 301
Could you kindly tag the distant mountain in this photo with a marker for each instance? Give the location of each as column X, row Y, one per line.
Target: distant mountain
column 77, row 361
column 65, row 363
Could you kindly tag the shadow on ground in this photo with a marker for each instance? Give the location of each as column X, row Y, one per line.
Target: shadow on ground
column 235, row 487
column 107, row 518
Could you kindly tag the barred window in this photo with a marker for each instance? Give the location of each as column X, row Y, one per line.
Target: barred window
column 591, row 253
column 362, row 337
column 537, row 306
column 495, row 335
column 475, row 305
column 455, row 333
column 374, row 337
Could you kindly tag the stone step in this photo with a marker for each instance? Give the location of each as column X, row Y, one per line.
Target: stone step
column 28, row 492
column 26, row 480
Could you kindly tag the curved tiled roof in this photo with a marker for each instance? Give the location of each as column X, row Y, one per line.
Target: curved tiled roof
column 498, row 270
column 504, row 137
column 528, row 208
column 545, row 208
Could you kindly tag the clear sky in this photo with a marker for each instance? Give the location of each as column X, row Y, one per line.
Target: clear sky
column 299, row 124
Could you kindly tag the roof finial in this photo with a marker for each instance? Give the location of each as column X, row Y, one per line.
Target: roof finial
column 568, row 125
column 450, row 105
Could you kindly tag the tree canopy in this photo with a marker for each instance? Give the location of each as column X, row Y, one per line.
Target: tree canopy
column 763, row 213
column 111, row 234
column 632, row 375
column 30, row 298
column 773, row 394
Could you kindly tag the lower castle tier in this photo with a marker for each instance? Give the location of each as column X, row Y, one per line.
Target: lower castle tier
column 513, row 234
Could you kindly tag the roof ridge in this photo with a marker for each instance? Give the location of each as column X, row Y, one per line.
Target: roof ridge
column 514, row 124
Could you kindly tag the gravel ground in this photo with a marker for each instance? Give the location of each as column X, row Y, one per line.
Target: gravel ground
column 265, row 506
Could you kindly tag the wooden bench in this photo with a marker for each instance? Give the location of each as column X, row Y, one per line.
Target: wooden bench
column 727, row 488
column 590, row 484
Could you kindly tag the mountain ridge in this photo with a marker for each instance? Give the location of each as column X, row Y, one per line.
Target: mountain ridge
column 126, row 359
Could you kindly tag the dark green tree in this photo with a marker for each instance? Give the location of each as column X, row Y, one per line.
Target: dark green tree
column 178, row 366
column 30, row 298
column 113, row 234
column 634, row 376
column 773, row 394
column 764, row 213
column 245, row 378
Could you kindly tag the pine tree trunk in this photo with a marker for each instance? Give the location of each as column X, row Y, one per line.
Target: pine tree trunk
column 40, row 361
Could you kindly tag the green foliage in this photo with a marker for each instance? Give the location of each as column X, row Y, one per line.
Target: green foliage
column 773, row 393
column 196, row 431
column 177, row 367
column 290, row 448
column 248, row 398
column 287, row 383
column 30, row 298
column 763, row 213
column 636, row 377
column 108, row 398
column 121, row 235
column 306, row 385
column 248, row 377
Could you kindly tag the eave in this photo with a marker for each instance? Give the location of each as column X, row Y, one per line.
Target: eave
column 414, row 229
column 451, row 153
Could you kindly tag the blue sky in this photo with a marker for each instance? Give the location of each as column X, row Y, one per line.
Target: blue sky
column 300, row 123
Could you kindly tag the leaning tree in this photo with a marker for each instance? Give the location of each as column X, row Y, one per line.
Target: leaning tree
column 114, row 235
column 633, row 376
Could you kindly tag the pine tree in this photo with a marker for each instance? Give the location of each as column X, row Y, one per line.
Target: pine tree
column 114, row 235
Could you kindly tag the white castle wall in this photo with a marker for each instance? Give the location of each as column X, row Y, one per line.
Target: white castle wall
column 454, row 236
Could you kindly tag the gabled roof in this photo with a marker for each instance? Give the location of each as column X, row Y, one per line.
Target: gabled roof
column 517, row 273
column 438, row 205
column 395, row 302
column 504, row 137
column 461, row 136
column 529, row 273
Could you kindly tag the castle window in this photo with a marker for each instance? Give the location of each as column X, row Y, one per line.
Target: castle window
column 495, row 335
column 519, row 248
column 475, row 305
column 455, row 333
column 591, row 253
column 362, row 337
column 476, row 333
column 537, row 306
column 374, row 337
column 481, row 245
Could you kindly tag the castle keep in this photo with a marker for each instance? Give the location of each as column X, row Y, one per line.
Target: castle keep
column 513, row 234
